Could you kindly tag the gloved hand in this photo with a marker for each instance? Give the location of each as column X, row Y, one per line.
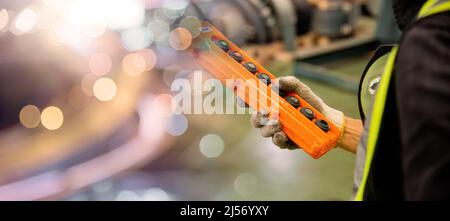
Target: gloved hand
column 272, row 128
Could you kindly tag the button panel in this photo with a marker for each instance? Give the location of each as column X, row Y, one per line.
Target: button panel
column 292, row 100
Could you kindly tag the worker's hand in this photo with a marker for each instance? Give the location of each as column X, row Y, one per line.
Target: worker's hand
column 272, row 128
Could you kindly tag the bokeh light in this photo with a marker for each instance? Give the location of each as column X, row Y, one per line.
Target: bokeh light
column 159, row 28
column 192, row 24
column 103, row 186
column 159, row 14
column 137, row 38
column 25, row 20
column 127, row 195
column 124, row 13
column 117, row 14
column 95, row 29
column 52, row 118
column 134, row 64
column 72, row 36
column 105, row 89
column 150, row 58
column 4, row 19
column 177, row 124
column 100, row 63
column 163, row 105
column 30, row 116
column 174, row 8
column 180, row 39
column 245, row 184
column 211, row 145
column 156, row 194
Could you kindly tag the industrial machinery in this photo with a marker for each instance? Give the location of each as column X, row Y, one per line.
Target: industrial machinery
column 289, row 21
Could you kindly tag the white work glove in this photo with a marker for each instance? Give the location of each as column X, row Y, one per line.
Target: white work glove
column 271, row 128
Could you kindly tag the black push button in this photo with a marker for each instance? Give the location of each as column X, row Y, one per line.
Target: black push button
column 323, row 125
column 223, row 45
column 236, row 56
column 250, row 67
column 293, row 101
column 307, row 112
column 264, row 77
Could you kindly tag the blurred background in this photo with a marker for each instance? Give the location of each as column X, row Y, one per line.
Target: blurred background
column 85, row 98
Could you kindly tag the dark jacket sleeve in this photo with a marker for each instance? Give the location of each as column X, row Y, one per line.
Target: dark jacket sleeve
column 423, row 99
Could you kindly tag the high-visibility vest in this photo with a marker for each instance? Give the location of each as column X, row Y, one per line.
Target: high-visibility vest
column 378, row 86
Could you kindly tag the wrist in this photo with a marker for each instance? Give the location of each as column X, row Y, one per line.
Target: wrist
column 335, row 116
column 350, row 135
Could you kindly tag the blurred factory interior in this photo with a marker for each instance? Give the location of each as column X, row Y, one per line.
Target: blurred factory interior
column 85, row 98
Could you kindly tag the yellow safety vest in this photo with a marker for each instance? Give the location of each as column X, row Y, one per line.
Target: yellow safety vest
column 429, row 8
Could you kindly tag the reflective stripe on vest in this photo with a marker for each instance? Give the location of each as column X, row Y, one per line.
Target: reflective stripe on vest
column 432, row 7
column 429, row 8
column 376, row 117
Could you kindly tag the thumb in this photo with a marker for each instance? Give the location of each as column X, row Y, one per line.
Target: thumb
column 292, row 84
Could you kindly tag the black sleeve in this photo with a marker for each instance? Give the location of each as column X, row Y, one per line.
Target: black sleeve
column 423, row 95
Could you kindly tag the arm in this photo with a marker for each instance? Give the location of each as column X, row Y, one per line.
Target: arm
column 351, row 129
column 350, row 136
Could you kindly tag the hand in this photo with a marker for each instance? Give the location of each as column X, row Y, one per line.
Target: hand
column 272, row 128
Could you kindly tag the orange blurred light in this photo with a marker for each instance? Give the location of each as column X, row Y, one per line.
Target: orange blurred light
column 134, row 64
column 52, row 118
column 180, row 39
column 29, row 116
column 149, row 57
column 105, row 89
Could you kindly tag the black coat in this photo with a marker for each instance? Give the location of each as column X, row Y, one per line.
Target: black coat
column 412, row 159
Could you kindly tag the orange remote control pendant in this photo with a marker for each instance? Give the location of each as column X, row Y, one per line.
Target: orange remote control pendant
column 302, row 123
